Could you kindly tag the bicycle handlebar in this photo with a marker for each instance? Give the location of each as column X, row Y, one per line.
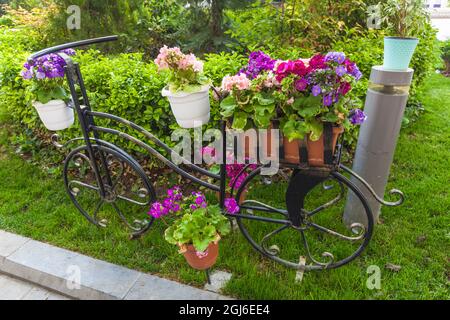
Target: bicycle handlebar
column 72, row 45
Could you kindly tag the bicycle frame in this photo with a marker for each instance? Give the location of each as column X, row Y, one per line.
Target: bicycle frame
column 86, row 119
column 303, row 180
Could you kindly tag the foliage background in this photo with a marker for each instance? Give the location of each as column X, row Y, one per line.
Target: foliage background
column 123, row 80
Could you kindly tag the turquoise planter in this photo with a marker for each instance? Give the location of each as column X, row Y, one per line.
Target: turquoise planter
column 398, row 52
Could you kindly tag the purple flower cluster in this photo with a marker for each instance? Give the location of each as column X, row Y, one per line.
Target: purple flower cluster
column 231, row 206
column 258, row 62
column 173, row 203
column 170, row 205
column 50, row 66
column 338, row 57
column 345, row 66
column 233, row 171
column 157, row 210
column 357, row 116
column 327, row 76
column 199, row 201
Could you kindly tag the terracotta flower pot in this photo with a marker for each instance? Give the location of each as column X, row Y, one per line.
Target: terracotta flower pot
column 201, row 260
column 315, row 149
column 252, row 144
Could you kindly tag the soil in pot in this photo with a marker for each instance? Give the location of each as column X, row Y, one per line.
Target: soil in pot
column 315, row 149
column 204, row 260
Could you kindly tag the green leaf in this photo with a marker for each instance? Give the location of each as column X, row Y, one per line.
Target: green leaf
column 228, row 106
column 330, row 117
column 169, row 235
column 316, row 129
column 240, row 121
column 43, row 96
column 295, row 129
column 309, row 112
column 265, row 100
column 224, row 227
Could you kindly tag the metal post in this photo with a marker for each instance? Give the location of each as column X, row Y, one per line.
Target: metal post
column 223, row 165
column 208, row 276
column 385, row 105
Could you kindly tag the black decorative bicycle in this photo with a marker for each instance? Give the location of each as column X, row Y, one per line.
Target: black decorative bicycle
column 302, row 231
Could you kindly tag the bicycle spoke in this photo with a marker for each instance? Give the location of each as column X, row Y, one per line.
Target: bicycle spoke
column 308, row 252
column 328, row 204
column 260, row 206
column 354, row 226
column 97, row 209
column 272, row 251
column 81, row 184
column 140, row 223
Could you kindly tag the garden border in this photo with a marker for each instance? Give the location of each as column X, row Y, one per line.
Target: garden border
column 51, row 267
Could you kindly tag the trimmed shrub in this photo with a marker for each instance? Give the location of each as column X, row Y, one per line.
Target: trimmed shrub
column 124, row 85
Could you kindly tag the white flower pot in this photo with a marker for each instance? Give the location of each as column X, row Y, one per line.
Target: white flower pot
column 55, row 114
column 191, row 110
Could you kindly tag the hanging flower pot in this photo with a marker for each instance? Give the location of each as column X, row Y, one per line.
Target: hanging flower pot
column 55, row 114
column 47, row 75
column 190, row 109
column 315, row 149
column 187, row 89
column 201, row 260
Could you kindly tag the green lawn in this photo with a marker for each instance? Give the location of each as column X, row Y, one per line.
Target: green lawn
column 415, row 236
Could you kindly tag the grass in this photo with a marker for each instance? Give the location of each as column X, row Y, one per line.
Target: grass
column 415, row 236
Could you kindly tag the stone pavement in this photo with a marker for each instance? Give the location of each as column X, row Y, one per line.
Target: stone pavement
column 81, row 277
column 14, row 289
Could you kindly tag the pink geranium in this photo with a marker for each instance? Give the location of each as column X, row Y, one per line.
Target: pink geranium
column 240, row 82
column 186, row 71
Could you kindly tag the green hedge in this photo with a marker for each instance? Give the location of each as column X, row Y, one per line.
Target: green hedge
column 128, row 86
column 124, row 85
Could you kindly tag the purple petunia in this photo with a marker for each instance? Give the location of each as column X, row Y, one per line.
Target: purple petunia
column 316, row 90
column 357, row 117
column 199, row 200
column 258, row 62
column 175, row 193
column 341, row 71
column 338, row 57
column 328, row 100
column 50, row 66
column 236, row 174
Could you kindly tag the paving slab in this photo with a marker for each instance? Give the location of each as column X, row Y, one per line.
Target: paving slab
column 37, row 293
column 10, row 243
column 15, row 289
column 82, row 277
column 12, row 289
column 149, row 287
column 218, row 281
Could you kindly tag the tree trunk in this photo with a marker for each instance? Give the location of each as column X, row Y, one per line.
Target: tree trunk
column 217, row 7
